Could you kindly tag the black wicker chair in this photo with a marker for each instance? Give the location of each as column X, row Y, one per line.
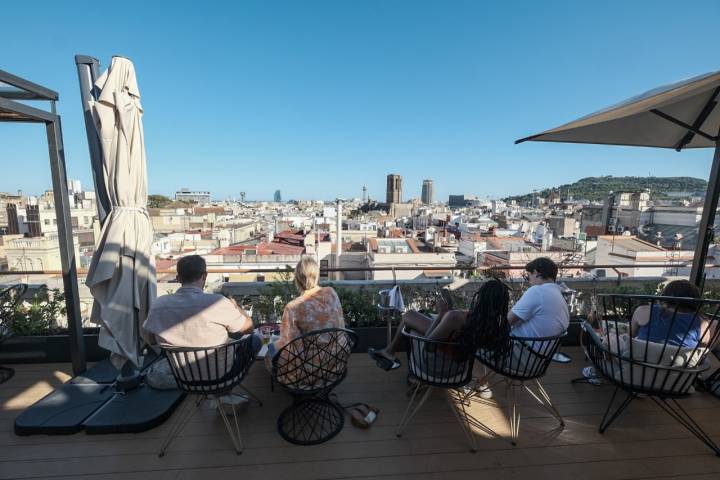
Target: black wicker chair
column 662, row 369
column 209, row 373
column 523, row 360
column 309, row 368
column 439, row 365
column 9, row 299
column 712, row 382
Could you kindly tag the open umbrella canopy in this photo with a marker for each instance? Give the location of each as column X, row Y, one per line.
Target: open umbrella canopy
column 680, row 115
column 121, row 277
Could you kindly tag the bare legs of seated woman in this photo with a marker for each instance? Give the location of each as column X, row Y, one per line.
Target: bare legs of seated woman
column 441, row 328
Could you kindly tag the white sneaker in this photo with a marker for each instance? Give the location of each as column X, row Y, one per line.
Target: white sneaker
column 483, row 391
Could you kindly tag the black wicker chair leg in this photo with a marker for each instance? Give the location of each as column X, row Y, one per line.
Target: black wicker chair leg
column 606, row 422
column 185, row 413
column 407, row 416
column 234, row 433
column 673, row 408
column 455, row 400
column 6, row 373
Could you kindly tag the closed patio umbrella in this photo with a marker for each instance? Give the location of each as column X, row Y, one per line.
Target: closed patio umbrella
column 680, row 115
column 121, row 277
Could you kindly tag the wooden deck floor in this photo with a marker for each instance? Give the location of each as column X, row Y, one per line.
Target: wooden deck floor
column 644, row 442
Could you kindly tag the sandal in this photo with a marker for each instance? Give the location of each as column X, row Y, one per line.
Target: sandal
column 362, row 415
column 382, row 361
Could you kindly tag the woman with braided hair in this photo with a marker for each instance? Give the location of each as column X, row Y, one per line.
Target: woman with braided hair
column 487, row 326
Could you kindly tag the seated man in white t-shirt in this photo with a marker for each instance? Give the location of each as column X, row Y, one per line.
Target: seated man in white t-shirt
column 542, row 310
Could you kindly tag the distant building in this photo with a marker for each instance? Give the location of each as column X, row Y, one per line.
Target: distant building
column 388, row 252
column 37, row 253
column 185, row 195
column 428, row 193
column 278, row 196
column 394, row 189
column 456, row 201
column 33, row 220
column 13, row 222
column 74, row 186
column 632, row 253
column 562, row 226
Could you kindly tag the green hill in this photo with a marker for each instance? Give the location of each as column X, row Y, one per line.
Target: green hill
column 597, row 188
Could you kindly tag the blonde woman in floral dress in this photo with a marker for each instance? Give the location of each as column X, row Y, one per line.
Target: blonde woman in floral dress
column 314, row 309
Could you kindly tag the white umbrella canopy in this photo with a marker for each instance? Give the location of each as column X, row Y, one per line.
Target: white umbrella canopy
column 121, row 277
column 657, row 118
column 681, row 115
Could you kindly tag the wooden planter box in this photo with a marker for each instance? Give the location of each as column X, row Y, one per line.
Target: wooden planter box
column 47, row 349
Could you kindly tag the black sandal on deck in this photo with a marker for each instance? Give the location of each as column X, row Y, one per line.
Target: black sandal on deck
column 382, row 361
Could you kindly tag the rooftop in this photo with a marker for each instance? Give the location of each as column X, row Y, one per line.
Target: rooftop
column 631, row 243
column 643, row 443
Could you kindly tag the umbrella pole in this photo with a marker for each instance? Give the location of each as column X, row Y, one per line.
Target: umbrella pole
column 88, row 71
column 706, row 233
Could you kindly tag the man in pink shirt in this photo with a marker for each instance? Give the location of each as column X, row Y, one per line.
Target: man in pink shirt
column 193, row 318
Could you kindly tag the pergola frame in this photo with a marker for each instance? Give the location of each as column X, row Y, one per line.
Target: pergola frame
column 11, row 110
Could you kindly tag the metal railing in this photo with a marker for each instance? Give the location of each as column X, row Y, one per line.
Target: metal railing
column 561, row 268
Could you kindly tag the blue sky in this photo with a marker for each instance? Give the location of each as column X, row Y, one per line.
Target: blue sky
column 317, row 98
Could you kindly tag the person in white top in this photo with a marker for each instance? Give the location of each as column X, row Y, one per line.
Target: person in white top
column 542, row 310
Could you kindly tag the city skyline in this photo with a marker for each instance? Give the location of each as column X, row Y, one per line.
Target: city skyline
column 210, row 196
column 312, row 100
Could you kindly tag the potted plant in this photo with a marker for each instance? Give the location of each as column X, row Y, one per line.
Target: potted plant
column 38, row 335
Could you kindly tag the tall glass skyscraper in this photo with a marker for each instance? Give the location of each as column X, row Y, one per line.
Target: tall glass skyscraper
column 428, row 194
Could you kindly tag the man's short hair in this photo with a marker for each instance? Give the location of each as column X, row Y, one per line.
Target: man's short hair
column 191, row 268
column 544, row 267
column 684, row 289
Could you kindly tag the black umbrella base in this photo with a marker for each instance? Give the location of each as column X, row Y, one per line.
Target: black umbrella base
column 90, row 402
column 135, row 411
column 64, row 410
